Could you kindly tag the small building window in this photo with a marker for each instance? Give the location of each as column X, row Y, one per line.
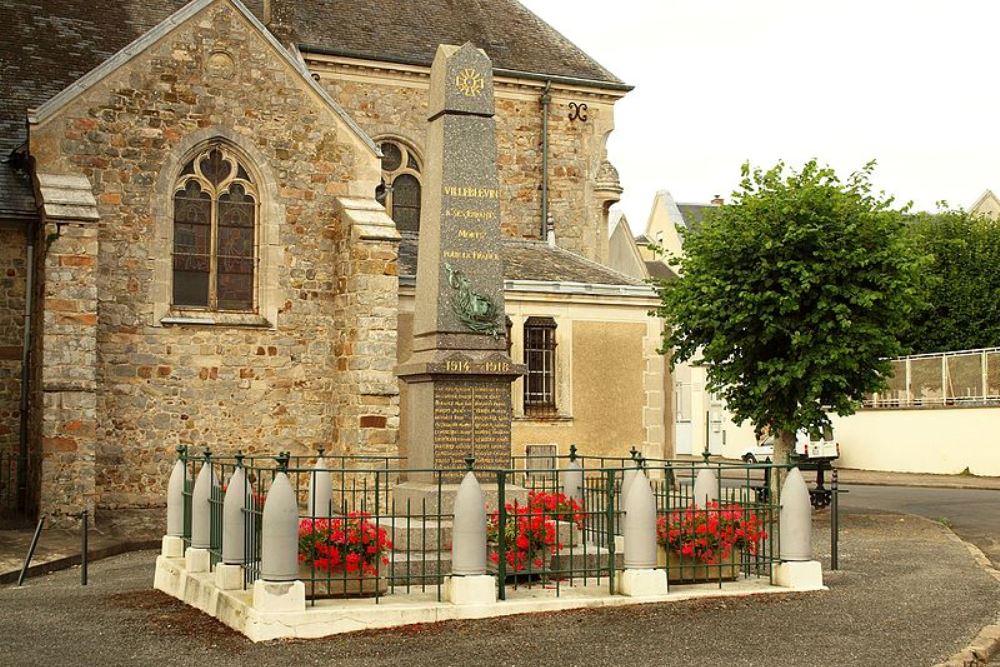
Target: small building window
column 540, row 358
column 540, row 461
column 215, row 233
column 399, row 190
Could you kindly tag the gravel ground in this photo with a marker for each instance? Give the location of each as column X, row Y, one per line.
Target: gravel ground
column 906, row 596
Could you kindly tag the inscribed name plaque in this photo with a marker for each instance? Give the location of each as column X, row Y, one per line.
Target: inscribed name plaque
column 472, row 416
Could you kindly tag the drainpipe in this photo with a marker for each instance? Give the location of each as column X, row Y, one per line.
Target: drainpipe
column 546, row 100
column 22, row 461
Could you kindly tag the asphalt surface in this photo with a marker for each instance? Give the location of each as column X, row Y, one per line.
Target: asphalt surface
column 906, row 595
column 973, row 514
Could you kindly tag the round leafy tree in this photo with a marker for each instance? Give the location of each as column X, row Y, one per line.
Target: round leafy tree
column 962, row 310
column 792, row 296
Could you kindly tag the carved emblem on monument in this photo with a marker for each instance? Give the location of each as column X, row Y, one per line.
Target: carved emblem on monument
column 469, row 82
column 476, row 311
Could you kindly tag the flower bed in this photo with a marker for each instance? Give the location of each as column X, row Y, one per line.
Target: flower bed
column 706, row 544
column 531, row 531
column 343, row 556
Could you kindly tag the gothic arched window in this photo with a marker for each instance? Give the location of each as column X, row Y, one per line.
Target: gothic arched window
column 215, row 233
column 399, row 191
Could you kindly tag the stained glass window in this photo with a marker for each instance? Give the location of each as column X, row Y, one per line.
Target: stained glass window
column 215, row 233
column 399, row 190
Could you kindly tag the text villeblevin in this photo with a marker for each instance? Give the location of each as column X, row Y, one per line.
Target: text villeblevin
column 468, row 191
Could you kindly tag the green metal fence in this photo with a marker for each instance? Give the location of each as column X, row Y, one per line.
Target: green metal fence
column 386, row 529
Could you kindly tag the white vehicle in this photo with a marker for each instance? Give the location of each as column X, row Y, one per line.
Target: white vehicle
column 818, row 446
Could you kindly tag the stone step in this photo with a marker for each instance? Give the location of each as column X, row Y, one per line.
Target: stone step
column 422, row 497
column 417, row 534
column 418, row 564
column 579, row 557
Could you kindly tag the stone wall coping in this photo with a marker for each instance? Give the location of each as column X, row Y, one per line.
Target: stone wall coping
column 66, row 197
column 368, row 219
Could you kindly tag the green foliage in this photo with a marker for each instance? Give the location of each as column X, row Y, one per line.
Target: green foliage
column 793, row 294
column 962, row 293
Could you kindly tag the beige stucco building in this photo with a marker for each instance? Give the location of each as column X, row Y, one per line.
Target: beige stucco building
column 698, row 420
column 209, row 217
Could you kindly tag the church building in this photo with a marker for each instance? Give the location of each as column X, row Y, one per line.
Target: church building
column 209, row 213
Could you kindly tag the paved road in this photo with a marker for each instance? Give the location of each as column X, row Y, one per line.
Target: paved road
column 906, row 596
column 973, row 514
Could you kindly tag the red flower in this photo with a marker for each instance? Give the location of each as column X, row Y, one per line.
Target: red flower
column 355, row 544
column 710, row 533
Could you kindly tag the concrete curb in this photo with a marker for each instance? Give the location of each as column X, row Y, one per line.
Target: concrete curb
column 67, row 562
column 986, row 645
column 920, row 485
column 907, row 479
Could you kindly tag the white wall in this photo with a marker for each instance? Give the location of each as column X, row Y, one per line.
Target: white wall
column 941, row 440
column 726, row 438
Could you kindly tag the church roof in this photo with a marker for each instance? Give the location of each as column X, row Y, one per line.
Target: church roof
column 57, row 42
column 692, row 214
column 659, row 270
column 409, row 32
column 524, row 259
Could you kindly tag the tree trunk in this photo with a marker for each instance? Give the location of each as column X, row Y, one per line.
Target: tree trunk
column 784, row 445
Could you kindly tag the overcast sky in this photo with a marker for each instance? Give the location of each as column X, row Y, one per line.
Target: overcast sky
column 912, row 84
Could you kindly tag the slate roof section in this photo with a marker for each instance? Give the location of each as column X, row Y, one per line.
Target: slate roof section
column 409, row 32
column 16, row 196
column 51, row 45
column 659, row 270
column 693, row 213
column 531, row 260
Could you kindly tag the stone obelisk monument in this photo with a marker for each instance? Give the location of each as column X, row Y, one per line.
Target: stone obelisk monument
column 457, row 399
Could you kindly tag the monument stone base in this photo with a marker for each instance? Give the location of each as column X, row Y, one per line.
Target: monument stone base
column 799, row 575
column 228, row 577
column 279, row 596
column 197, row 560
column 472, row 589
column 424, row 496
column 642, row 583
column 172, row 546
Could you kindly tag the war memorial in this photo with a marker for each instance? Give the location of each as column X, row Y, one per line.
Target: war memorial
column 307, row 546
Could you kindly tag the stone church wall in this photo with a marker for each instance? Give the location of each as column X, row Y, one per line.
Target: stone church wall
column 394, row 104
column 284, row 384
column 13, row 273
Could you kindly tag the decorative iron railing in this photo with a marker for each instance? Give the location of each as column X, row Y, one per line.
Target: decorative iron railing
column 370, row 526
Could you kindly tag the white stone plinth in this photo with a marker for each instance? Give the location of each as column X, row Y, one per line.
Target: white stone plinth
column 806, row 575
column 228, row 577
column 172, row 547
column 471, row 589
column 279, row 596
column 197, row 560
column 642, row 583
